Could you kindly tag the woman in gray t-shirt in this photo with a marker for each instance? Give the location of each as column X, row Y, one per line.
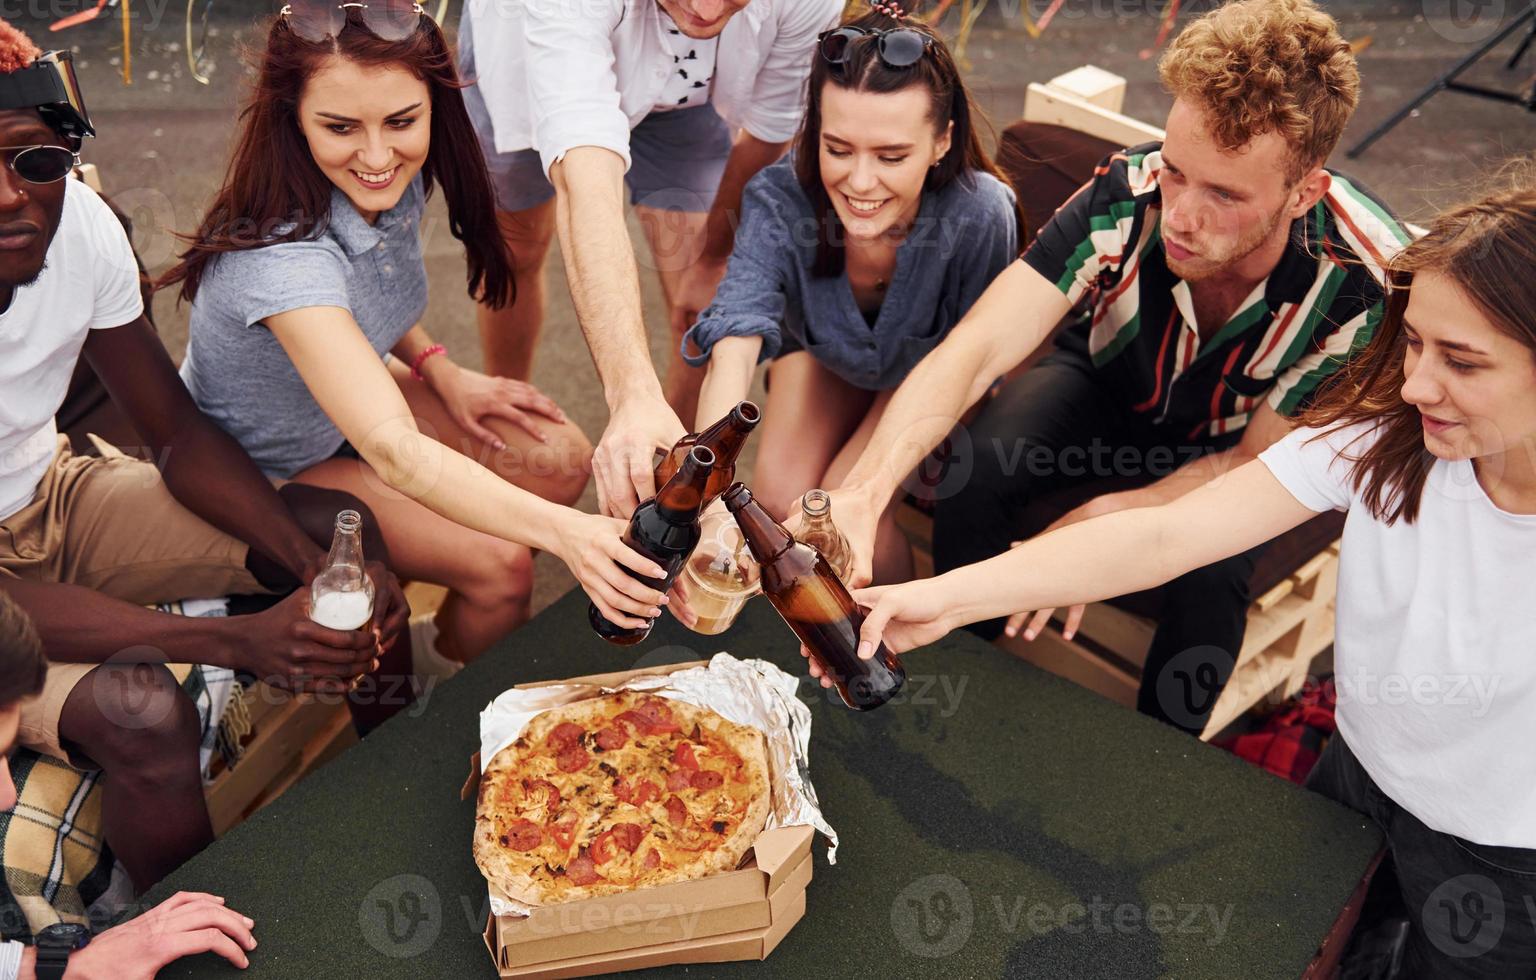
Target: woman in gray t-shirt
column 853, row 260
column 306, row 275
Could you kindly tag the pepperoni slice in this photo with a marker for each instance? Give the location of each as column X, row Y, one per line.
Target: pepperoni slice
column 602, row 848
column 683, row 756
column 646, row 791
column 652, row 859
column 612, row 737
column 679, row 780
column 708, row 779
column 564, row 834
column 640, row 723
column 676, row 811
column 523, row 835
column 628, row 835
column 582, row 871
column 566, row 733
column 572, row 759
column 622, row 790
column 657, row 715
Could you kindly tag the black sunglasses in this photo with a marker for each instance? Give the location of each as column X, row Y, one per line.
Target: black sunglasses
column 321, row 20
column 899, row 47
column 40, row 164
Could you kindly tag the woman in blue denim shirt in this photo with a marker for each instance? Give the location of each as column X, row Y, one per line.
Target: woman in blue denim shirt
column 854, row 258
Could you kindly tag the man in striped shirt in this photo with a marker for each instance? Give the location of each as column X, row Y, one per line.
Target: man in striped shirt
column 1220, row 276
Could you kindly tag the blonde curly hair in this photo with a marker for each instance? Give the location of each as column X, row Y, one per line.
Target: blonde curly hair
column 1261, row 66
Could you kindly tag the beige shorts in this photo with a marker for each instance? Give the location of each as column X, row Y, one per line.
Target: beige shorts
column 110, row 525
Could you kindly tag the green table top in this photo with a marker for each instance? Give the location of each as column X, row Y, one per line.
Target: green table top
column 995, row 820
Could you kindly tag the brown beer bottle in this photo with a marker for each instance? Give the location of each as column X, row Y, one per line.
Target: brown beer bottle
column 817, row 530
column 725, row 439
column 664, row 529
column 816, row 605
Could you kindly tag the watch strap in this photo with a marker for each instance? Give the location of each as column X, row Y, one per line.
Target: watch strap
column 51, row 963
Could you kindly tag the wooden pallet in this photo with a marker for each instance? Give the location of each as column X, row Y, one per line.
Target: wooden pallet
column 1288, row 626
column 290, row 737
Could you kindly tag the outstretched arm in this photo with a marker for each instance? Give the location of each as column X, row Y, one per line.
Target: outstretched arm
column 1012, row 318
column 358, row 393
column 605, row 287
column 1107, row 556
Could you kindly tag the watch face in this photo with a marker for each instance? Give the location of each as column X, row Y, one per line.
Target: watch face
column 64, row 935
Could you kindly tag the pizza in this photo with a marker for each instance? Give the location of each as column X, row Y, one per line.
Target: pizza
column 622, row 791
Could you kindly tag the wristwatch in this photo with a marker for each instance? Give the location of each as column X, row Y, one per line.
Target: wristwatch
column 55, row 944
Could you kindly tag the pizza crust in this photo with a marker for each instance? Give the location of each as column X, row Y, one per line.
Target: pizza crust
column 515, row 785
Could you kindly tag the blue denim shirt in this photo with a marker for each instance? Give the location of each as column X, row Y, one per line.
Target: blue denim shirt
column 237, row 371
column 962, row 238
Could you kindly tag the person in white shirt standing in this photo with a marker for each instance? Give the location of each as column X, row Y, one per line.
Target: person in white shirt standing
column 1428, row 441
column 685, row 100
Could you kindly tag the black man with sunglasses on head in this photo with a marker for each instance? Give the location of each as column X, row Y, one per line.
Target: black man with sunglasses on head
column 86, row 542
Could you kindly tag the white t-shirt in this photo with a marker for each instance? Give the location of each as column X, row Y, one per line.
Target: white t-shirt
column 1435, row 649
column 690, row 65
column 90, row 282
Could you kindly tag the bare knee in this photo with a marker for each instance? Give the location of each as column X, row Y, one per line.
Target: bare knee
column 502, row 574
column 528, row 235
column 132, row 720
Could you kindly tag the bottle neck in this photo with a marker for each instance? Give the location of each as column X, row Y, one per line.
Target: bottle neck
column 726, row 437
column 347, row 542
column 681, row 498
column 765, row 536
column 816, row 507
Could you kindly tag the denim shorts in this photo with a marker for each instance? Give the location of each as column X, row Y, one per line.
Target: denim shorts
column 676, row 160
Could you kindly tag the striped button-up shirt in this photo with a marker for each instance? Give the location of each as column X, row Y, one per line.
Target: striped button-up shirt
column 1318, row 307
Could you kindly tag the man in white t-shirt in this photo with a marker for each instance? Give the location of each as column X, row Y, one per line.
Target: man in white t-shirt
column 569, row 106
column 86, row 542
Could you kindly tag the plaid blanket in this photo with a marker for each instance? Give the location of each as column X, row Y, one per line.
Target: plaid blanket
column 57, row 866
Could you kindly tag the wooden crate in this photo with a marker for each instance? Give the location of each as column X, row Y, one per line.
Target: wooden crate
column 290, row 737
column 1288, row 626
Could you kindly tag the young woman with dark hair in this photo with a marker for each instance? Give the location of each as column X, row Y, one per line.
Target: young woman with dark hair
column 306, row 342
column 855, row 256
column 1428, row 440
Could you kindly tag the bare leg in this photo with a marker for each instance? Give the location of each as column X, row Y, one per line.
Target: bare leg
column 509, row 336
column 557, row 471
column 810, row 414
column 893, row 555
column 676, row 239
column 133, row 722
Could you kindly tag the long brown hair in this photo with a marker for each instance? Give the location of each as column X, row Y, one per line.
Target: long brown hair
column 1488, row 249
column 864, row 71
column 274, row 192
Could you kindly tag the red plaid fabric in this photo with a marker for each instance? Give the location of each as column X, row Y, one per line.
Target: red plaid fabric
column 1289, row 742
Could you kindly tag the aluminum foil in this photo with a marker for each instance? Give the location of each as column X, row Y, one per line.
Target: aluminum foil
column 749, row 692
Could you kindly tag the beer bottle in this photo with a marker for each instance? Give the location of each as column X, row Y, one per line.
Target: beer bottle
column 725, row 439
column 816, row 605
column 664, row 529
column 817, row 530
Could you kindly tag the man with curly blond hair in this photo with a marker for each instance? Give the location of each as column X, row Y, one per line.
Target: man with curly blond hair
column 1220, row 277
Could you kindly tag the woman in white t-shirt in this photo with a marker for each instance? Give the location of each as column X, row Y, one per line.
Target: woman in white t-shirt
column 1429, row 443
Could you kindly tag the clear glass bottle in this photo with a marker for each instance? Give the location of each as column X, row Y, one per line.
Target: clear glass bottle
column 817, row 530
column 341, row 596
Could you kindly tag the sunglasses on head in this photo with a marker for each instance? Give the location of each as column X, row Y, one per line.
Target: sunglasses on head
column 321, row 20
column 899, row 47
column 40, row 164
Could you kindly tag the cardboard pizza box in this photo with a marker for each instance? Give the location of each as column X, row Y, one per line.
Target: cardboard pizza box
column 748, row 932
column 736, row 915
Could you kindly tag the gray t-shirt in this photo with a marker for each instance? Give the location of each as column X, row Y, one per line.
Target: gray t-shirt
column 962, row 238
column 237, row 371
